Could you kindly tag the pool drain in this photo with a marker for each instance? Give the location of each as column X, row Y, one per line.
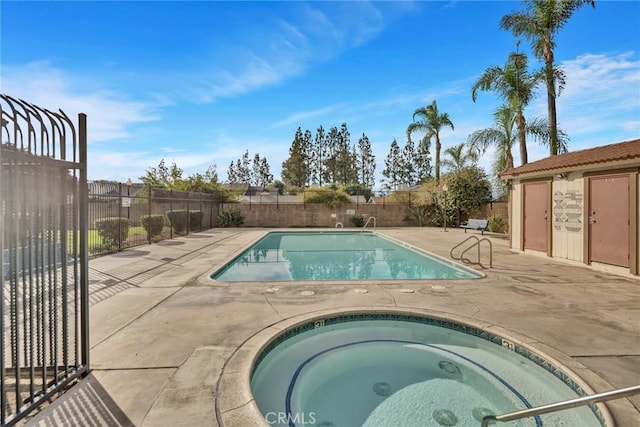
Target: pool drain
column 382, row 389
column 445, row 417
column 326, row 424
column 448, row 367
column 480, row 413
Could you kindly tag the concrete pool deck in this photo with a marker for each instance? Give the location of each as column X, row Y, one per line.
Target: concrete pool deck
column 162, row 331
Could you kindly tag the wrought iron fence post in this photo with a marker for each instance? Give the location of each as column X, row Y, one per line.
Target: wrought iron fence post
column 84, row 251
column 120, row 216
column 149, row 203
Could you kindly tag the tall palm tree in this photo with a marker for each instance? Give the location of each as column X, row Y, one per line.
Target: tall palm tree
column 459, row 156
column 431, row 122
column 539, row 24
column 513, row 84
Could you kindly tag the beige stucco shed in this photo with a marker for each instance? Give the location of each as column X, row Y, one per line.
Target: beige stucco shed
column 580, row 206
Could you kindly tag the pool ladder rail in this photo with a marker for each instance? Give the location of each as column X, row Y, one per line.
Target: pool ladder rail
column 477, row 244
column 368, row 221
column 559, row 406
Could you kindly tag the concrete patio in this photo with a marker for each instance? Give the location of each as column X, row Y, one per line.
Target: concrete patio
column 162, row 330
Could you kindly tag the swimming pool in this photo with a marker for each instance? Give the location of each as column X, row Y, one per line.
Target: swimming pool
column 379, row 369
column 341, row 255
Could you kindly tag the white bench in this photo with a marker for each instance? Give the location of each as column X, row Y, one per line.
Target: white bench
column 475, row 224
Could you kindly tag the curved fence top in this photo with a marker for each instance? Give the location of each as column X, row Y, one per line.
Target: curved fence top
column 28, row 128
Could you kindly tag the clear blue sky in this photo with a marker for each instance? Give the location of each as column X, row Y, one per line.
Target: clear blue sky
column 201, row 82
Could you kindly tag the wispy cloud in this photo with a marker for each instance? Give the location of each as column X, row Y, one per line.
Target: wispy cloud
column 111, row 114
column 287, row 47
column 601, row 95
column 302, row 116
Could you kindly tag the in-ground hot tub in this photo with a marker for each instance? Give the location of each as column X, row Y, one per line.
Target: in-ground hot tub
column 394, row 368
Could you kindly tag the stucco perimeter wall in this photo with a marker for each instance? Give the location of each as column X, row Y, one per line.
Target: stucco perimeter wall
column 499, row 208
column 317, row 215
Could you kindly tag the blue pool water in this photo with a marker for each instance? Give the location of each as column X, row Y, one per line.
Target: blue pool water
column 293, row 256
column 381, row 370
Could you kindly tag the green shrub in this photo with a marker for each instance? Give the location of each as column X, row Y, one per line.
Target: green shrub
column 195, row 220
column 357, row 220
column 496, row 223
column 420, row 215
column 231, row 218
column 113, row 231
column 153, row 224
column 179, row 220
column 331, row 196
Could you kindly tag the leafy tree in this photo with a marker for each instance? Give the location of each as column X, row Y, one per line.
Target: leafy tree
column 264, row 172
column 163, row 176
column 468, row 189
column 243, row 169
column 359, row 190
column 232, row 174
column 540, row 23
column 393, row 163
column 278, row 185
column 345, row 158
column 407, row 170
column 307, row 149
column 255, row 170
column 295, row 170
column 330, row 156
column 239, row 172
column 459, row 157
column 431, row 122
column 171, row 178
column 366, row 163
column 422, row 161
column 317, row 158
column 515, row 85
column 204, row 183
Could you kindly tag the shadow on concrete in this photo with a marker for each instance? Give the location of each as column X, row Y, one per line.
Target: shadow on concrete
column 87, row 404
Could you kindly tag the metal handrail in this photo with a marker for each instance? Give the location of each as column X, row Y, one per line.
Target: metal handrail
column 367, row 222
column 460, row 244
column 476, row 244
column 559, row 406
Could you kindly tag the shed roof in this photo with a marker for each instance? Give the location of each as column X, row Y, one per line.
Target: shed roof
column 622, row 151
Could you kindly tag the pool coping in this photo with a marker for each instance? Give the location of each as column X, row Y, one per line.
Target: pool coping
column 235, row 404
column 208, row 277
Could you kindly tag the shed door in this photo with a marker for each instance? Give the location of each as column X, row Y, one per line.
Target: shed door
column 536, row 196
column 609, row 220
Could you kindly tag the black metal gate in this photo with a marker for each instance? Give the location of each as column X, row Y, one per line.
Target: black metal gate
column 43, row 240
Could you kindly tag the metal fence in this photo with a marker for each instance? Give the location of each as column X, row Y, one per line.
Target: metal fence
column 123, row 215
column 43, row 211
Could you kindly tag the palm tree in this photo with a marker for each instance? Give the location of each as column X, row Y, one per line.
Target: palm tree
column 513, row 84
column 431, row 121
column 459, row 157
column 539, row 24
column 502, row 137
